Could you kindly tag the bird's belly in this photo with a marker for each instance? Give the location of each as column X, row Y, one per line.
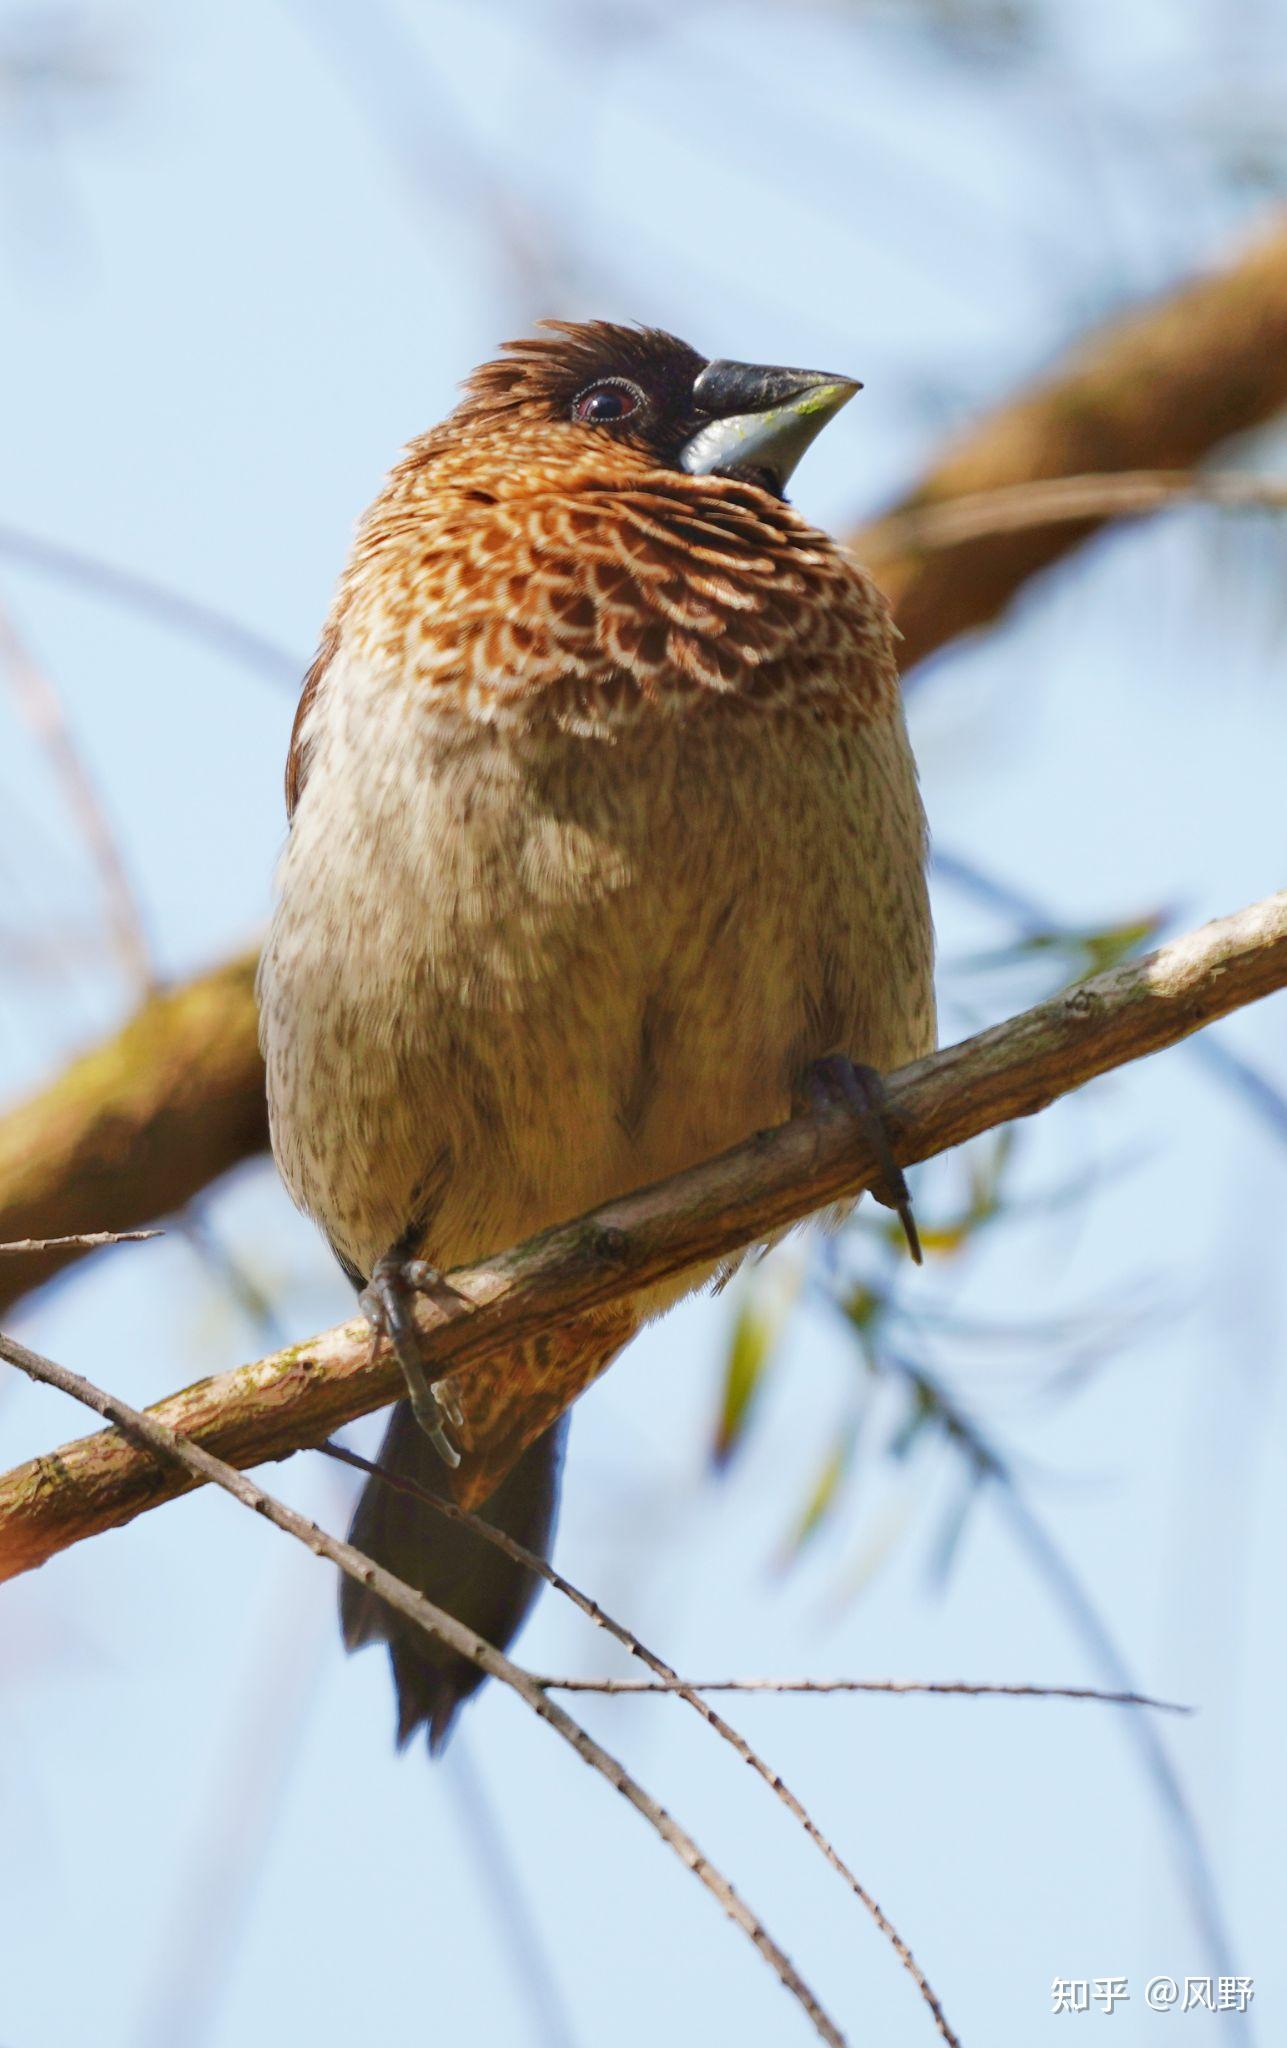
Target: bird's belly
column 548, row 975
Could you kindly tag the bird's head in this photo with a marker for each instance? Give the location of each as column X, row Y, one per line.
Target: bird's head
column 639, row 389
column 599, row 529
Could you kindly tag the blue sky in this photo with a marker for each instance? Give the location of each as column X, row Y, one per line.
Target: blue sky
column 233, row 284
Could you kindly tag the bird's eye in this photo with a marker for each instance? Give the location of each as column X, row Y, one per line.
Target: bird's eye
column 606, row 402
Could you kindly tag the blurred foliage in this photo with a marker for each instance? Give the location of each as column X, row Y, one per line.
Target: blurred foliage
column 858, row 1276
column 1076, row 950
column 766, row 1299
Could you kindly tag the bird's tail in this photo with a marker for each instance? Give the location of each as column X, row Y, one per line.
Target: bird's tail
column 449, row 1564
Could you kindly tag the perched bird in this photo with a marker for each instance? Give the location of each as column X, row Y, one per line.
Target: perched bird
column 606, row 849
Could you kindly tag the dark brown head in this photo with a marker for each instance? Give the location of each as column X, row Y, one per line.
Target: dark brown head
column 645, row 390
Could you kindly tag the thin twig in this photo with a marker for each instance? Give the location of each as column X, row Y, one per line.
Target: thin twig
column 163, row 1444
column 954, row 1687
column 671, row 1682
column 85, row 1241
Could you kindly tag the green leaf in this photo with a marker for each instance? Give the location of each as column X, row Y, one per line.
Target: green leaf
column 824, row 1493
column 757, row 1327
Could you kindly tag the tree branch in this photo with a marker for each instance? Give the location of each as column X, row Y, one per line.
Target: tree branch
column 136, row 1127
column 666, row 1676
column 1072, row 500
column 159, row 1442
column 1156, row 390
column 297, row 1396
column 1160, row 389
column 954, row 1688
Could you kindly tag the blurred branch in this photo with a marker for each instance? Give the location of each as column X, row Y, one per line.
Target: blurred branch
column 1014, row 508
column 777, row 1178
column 217, row 629
column 41, row 709
column 1266, row 1102
column 210, row 1902
column 133, row 1129
column 1194, row 1863
column 197, row 1466
column 483, row 1836
column 1161, row 388
column 229, row 1273
column 1156, row 390
column 988, row 1464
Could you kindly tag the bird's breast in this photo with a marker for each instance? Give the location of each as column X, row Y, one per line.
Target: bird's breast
column 515, row 969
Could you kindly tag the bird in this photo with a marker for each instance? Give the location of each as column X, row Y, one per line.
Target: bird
column 606, row 850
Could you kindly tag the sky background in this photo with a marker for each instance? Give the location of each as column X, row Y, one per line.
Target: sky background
column 245, row 252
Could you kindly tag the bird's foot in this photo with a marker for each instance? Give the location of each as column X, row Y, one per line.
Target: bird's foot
column 386, row 1303
column 838, row 1079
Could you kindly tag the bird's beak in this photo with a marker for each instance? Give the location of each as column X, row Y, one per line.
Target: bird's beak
column 762, row 419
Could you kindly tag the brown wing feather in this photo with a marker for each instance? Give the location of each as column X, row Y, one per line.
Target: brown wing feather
column 297, row 756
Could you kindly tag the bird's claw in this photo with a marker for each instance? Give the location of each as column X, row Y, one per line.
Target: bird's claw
column 433, row 1417
column 449, row 1404
column 840, row 1079
column 386, row 1304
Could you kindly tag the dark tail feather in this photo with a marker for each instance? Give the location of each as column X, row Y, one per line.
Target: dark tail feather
column 450, row 1565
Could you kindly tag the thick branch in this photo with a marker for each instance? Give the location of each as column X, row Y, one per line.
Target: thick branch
column 297, row 1396
column 1160, row 390
column 136, row 1127
column 1157, row 390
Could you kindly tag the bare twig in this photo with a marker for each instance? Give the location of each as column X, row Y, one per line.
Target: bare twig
column 161, row 1443
column 958, row 1688
column 670, row 1681
column 297, row 1396
column 86, row 1241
